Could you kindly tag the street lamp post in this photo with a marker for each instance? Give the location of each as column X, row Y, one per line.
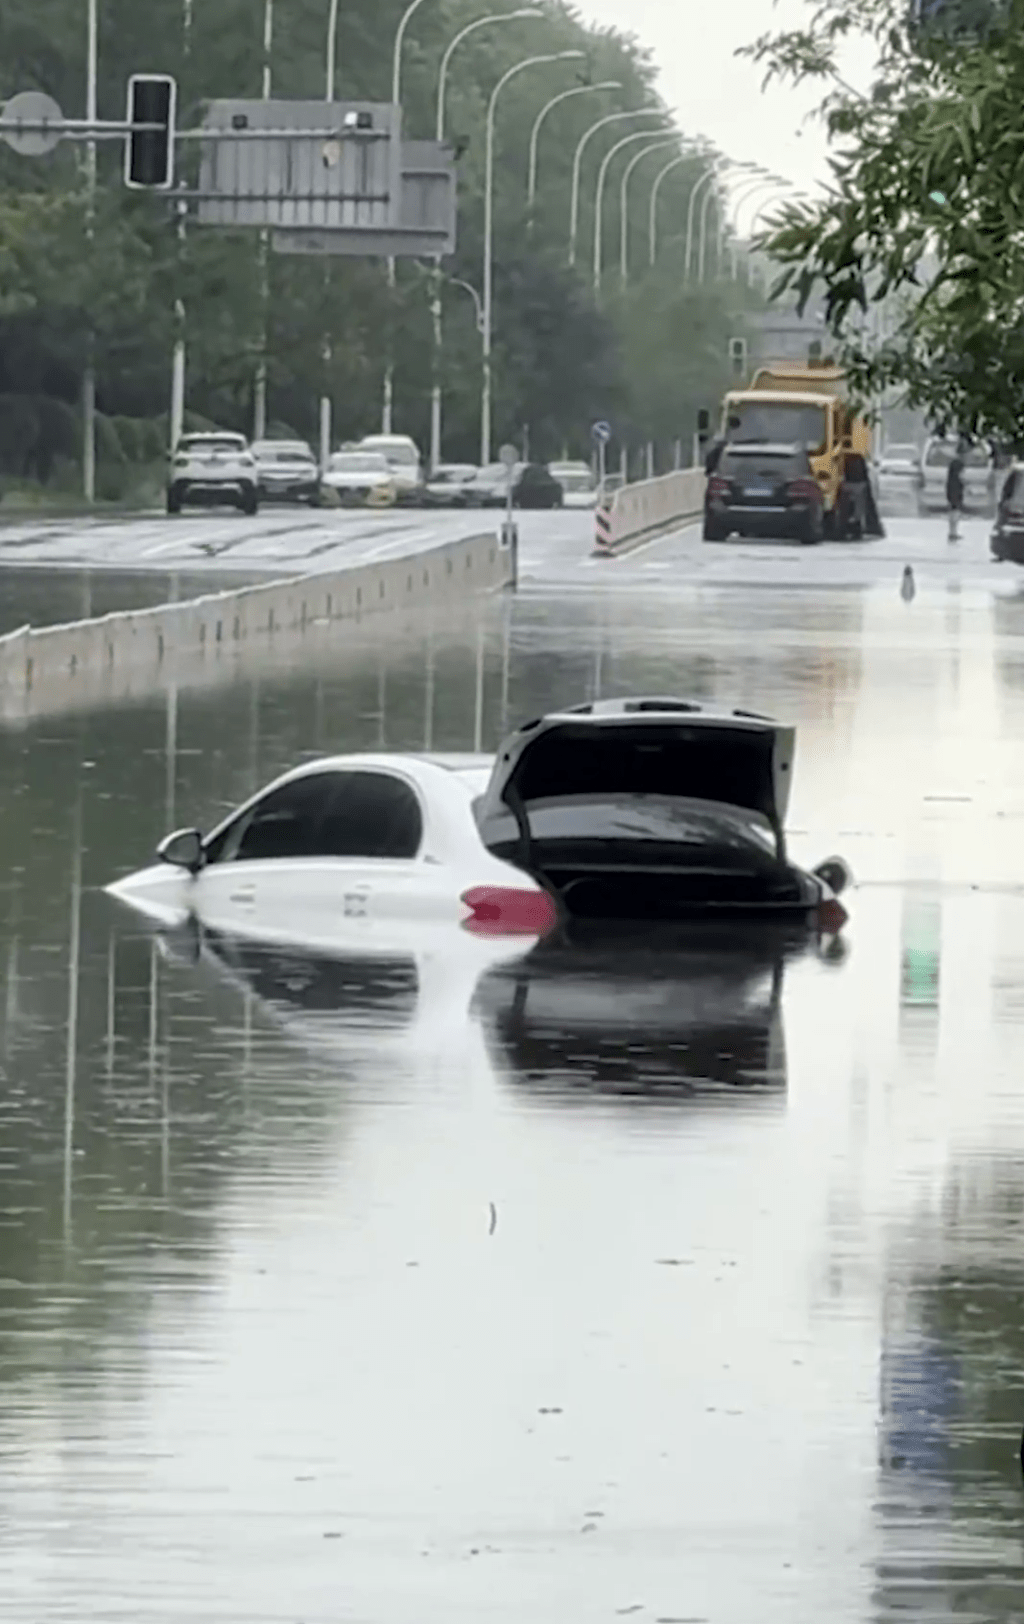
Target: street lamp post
column 761, row 209
column 658, row 146
column 711, row 174
column 89, row 376
column 396, row 96
column 517, row 68
column 327, row 352
column 606, row 162
column 577, row 162
column 652, row 221
column 556, row 101
column 710, row 196
column 436, row 308
column 259, row 409
column 737, row 203
column 177, row 413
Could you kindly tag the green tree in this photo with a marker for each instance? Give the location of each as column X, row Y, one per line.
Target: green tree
column 560, row 356
column 924, row 212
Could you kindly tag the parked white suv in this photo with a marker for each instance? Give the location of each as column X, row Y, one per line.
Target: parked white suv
column 404, row 461
column 211, row 469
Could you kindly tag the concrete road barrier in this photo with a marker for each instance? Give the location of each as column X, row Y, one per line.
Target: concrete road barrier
column 636, row 512
column 130, row 649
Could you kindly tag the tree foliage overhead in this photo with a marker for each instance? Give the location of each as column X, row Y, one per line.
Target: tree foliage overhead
column 924, row 215
column 561, row 357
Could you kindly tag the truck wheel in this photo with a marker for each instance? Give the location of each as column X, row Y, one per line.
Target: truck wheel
column 174, row 498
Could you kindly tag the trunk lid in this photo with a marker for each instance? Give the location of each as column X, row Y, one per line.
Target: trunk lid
column 640, row 747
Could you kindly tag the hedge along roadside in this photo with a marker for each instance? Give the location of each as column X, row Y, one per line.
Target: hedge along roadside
column 212, row 626
column 636, row 512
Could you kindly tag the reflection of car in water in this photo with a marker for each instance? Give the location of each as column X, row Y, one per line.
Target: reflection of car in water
column 698, row 1012
column 388, row 994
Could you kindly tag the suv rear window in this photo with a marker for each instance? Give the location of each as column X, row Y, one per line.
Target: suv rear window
column 752, row 462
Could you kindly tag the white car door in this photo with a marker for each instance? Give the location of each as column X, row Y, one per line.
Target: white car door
column 326, row 856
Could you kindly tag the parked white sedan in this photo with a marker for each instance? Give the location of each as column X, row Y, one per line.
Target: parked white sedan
column 652, row 810
column 359, row 478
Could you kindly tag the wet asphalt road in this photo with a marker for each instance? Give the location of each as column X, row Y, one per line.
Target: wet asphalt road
column 742, row 1335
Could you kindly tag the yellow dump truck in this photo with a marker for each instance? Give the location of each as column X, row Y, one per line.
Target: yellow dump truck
column 795, row 419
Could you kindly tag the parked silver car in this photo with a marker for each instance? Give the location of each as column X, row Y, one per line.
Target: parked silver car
column 979, row 477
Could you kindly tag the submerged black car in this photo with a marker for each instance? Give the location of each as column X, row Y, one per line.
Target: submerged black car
column 537, row 487
column 764, row 490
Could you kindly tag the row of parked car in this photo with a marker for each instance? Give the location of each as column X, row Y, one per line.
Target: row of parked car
column 925, row 470
column 380, row 471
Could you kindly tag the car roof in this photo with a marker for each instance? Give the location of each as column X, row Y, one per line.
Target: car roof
column 214, row 434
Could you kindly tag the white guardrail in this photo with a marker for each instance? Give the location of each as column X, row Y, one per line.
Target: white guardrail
column 634, row 511
column 95, row 654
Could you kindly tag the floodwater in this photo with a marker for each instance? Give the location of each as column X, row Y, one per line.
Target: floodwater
column 47, row 597
column 595, row 1285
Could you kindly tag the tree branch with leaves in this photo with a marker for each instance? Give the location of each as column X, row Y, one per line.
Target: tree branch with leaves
column 924, row 208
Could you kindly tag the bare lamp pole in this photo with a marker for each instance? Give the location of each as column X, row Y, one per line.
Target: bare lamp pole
column 89, row 376
column 259, row 408
column 627, row 175
column 485, row 402
column 396, row 96
column 436, row 309
column 556, row 101
column 602, row 174
column 577, row 164
column 652, row 217
column 325, row 399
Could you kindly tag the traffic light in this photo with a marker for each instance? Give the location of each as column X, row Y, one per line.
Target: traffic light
column 149, row 154
column 738, row 356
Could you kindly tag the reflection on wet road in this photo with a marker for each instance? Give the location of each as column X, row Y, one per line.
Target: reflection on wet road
column 673, row 1281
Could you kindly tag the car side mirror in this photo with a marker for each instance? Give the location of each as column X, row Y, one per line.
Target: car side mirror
column 183, row 849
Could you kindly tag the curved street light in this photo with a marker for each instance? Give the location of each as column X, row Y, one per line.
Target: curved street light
column 436, row 306
column 652, row 221
column 606, row 162
column 712, row 195
column 716, row 169
column 658, row 146
column 517, row 68
column 453, row 45
column 583, row 143
column 396, row 96
column 735, row 205
column 577, row 90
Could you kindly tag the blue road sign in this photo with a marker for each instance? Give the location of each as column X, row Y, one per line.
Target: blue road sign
column 602, row 432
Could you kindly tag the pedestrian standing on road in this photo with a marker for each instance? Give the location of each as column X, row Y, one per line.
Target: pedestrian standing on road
column 955, row 492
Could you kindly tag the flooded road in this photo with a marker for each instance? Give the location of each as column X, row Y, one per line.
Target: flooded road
column 598, row 1284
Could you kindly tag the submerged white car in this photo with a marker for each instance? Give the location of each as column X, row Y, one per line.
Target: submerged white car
column 653, row 810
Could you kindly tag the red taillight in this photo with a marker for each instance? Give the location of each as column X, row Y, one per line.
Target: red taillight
column 717, row 486
column 498, row 910
column 803, row 490
column 832, row 916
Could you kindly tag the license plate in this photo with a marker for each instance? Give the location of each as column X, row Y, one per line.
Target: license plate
column 757, row 490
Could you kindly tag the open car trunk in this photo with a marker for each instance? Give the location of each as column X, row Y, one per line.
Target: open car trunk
column 648, row 810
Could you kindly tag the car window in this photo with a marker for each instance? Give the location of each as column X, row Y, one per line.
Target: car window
column 632, row 821
column 1013, row 491
column 351, row 462
column 227, row 443
column 339, row 814
column 406, row 455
